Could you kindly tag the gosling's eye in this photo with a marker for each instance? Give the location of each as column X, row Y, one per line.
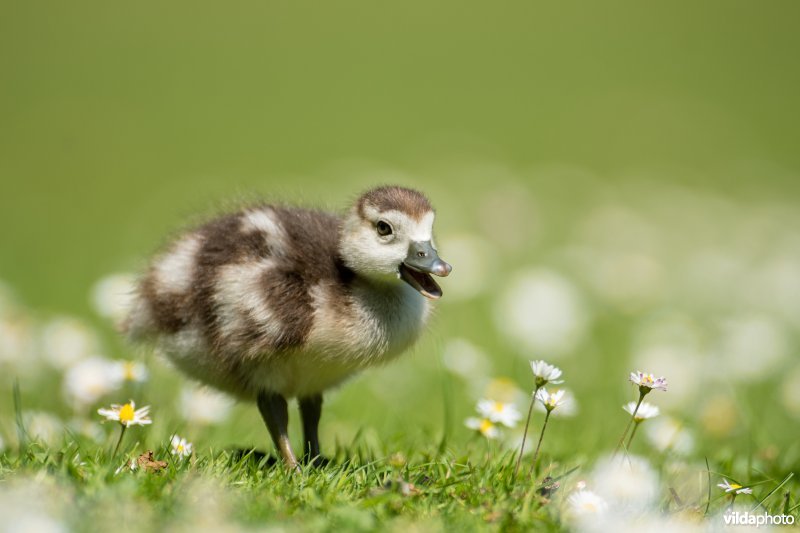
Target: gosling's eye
column 383, row 228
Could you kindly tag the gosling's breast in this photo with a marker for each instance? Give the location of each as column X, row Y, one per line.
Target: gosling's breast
column 368, row 324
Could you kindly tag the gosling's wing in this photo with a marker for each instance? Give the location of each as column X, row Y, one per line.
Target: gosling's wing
column 242, row 282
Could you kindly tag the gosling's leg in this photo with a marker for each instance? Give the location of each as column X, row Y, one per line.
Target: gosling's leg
column 310, row 411
column 275, row 414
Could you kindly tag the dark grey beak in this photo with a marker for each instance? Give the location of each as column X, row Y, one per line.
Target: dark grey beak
column 422, row 261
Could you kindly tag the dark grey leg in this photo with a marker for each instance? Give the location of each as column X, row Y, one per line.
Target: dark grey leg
column 310, row 411
column 275, row 414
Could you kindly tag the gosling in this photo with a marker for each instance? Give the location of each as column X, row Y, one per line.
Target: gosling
column 275, row 302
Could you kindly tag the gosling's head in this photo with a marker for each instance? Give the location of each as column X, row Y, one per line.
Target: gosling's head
column 389, row 233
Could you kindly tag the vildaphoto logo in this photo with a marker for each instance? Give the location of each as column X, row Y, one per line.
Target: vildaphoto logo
column 738, row 518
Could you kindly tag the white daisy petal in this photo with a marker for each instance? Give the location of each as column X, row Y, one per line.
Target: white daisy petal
column 585, row 502
column 645, row 411
column 648, row 382
column 545, row 373
column 127, row 414
column 484, row 426
column 550, row 400
column 499, row 412
column 180, row 447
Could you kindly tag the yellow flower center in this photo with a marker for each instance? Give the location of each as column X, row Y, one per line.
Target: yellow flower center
column 126, row 413
column 551, row 401
column 486, row 426
column 128, row 370
column 180, row 448
column 498, row 407
column 735, row 486
column 647, row 378
column 589, row 507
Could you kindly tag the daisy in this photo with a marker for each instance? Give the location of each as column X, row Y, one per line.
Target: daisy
column 90, row 379
column 65, row 341
column 545, row 373
column 585, row 502
column 127, row 414
column 129, row 371
column 568, row 406
column 648, row 382
column 727, row 486
column 542, row 311
column 181, row 447
column 639, row 411
column 499, row 412
column 201, row 405
column 644, row 412
column 484, row 426
column 629, row 483
column 112, row 296
column 550, row 400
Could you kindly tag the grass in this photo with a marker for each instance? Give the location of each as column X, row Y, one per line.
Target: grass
column 356, row 491
column 397, row 487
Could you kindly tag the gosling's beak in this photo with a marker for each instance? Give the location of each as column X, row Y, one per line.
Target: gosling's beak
column 422, row 261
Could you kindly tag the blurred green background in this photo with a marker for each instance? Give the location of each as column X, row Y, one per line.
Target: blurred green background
column 645, row 155
column 119, row 118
